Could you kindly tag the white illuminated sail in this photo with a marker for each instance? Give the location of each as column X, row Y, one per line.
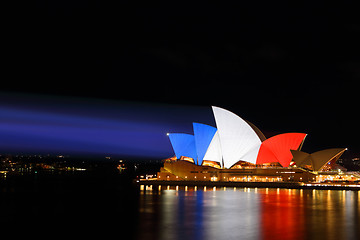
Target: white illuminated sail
column 237, row 139
column 213, row 152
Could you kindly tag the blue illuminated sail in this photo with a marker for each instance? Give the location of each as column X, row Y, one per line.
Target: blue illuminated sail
column 203, row 135
column 183, row 145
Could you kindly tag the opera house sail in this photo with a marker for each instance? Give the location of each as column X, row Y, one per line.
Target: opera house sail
column 183, row 145
column 317, row 160
column 277, row 148
column 203, row 136
column 213, row 152
column 237, row 138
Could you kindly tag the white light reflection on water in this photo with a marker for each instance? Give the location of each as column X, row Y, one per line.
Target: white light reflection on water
column 249, row 214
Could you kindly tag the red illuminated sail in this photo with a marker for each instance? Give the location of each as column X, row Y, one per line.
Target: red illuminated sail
column 277, row 148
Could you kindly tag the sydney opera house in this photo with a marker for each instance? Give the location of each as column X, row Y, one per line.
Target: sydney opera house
column 236, row 150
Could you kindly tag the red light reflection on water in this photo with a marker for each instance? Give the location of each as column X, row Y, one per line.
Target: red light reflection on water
column 282, row 214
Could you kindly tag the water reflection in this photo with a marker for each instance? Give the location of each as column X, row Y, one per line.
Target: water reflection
column 185, row 212
column 281, row 214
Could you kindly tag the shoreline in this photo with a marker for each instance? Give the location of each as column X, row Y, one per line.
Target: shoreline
column 288, row 185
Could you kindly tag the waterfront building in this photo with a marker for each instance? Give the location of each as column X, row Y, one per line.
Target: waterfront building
column 236, row 150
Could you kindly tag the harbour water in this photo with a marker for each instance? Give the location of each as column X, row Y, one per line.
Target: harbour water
column 107, row 206
column 248, row 213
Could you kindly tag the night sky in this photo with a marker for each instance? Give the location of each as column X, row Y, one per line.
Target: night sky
column 286, row 67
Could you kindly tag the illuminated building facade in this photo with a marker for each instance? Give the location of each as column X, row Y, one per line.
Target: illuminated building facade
column 184, row 170
column 236, row 150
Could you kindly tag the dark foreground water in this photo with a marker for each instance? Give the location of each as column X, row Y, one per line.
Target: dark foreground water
column 110, row 207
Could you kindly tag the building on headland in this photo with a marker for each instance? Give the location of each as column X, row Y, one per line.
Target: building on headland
column 237, row 151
